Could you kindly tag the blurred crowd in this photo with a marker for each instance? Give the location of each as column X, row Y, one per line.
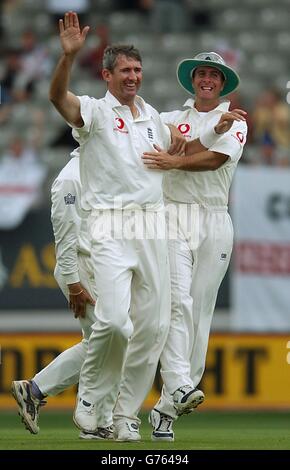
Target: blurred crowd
column 30, row 131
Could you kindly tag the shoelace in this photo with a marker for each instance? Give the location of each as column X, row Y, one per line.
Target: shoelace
column 165, row 423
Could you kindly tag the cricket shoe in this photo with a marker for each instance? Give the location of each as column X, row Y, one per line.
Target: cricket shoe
column 100, row 434
column 162, row 426
column 28, row 404
column 85, row 416
column 187, row 398
column 126, row 431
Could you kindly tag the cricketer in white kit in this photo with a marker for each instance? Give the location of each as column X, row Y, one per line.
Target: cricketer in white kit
column 73, row 267
column 131, row 271
column 198, row 184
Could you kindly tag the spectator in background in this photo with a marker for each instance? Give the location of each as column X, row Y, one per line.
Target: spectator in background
column 92, row 59
column 21, row 178
column 271, row 128
column 199, row 14
column 169, row 16
column 9, row 94
column 22, row 172
column 1, row 20
column 34, row 62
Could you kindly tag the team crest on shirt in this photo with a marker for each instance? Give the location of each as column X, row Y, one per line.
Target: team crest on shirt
column 120, row 125
column 69, row 199
column 184, row 128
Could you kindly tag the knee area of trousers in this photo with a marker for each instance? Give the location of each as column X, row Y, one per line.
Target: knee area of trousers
column 121, row 328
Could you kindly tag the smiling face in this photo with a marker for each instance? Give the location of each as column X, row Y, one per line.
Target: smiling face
column 125, row 79
column 207, row 82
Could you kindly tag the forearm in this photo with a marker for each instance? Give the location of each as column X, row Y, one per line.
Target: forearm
column 61, row 79
column 64, row 101
column 201, row 161
column 194, row 146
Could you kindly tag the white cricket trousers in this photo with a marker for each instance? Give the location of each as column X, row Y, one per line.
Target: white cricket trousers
column 64, row 370
column 199, row 258
column 133, row 309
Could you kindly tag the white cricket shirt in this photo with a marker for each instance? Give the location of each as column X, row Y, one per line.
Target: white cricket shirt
column 111, row 142
column 207, row 188
column 69, row 220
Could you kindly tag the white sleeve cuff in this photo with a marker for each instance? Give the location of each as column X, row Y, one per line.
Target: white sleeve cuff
column 209, row 138
column 71, row 278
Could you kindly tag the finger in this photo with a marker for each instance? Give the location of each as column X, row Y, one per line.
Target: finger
column 159, row 149
column 71, row 19
column 150, row 154
column 85, row 32
column 240, row 111
column 61, row 26
column 89, row 299
column 66, row 20
column 92, row 301
column 151, row 162
column 238, row 117
column 75, row 20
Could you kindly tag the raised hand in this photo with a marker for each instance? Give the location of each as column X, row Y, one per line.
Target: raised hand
column 227, row 119
column 71, row 36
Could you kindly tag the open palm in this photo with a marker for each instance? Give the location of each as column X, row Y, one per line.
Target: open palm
column 71, row 36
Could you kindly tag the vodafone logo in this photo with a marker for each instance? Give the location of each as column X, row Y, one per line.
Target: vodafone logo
column 183, row 128
column 120, row 123
column 240, row 136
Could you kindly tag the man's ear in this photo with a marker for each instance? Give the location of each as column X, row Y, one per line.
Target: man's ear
column 106, row 74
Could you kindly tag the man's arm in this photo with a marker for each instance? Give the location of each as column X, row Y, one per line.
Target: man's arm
column 202, row 161
column 197, row 156
column 225, row 123
column 66, row 221
column 72, row 40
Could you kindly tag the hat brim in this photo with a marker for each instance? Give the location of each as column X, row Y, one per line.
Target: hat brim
column 186, row 67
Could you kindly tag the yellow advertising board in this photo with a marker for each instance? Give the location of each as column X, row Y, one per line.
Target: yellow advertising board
column 243, row 371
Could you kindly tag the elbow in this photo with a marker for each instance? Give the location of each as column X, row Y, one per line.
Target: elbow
column 215, row 166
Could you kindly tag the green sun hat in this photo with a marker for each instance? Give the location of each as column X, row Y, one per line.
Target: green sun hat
column 211, row 59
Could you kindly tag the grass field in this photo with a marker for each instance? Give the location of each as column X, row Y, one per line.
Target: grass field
column 198, row 431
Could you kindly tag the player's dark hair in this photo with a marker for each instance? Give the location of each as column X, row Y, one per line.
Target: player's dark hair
column 112, row 52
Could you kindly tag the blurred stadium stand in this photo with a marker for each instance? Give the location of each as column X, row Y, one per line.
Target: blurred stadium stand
column 256, row 33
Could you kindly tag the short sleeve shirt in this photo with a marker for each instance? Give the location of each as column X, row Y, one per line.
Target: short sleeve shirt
column 207, row 188
column 112, row 142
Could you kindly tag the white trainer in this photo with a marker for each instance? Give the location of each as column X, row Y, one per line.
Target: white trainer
column 28, row 404
column 85, row 417
column 126, row 431
column 187, row 398
column 106, row 433
column 162, row 426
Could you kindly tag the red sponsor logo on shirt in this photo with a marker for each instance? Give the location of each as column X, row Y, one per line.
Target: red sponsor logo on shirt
column 120, row 124
column 183, row 128
column 240, row 136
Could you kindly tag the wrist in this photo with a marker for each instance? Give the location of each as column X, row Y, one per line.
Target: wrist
column 209, row 137
column 75, row 287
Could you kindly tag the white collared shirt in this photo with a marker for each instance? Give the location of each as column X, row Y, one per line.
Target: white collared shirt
column 111, row 146
column 207, row 188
